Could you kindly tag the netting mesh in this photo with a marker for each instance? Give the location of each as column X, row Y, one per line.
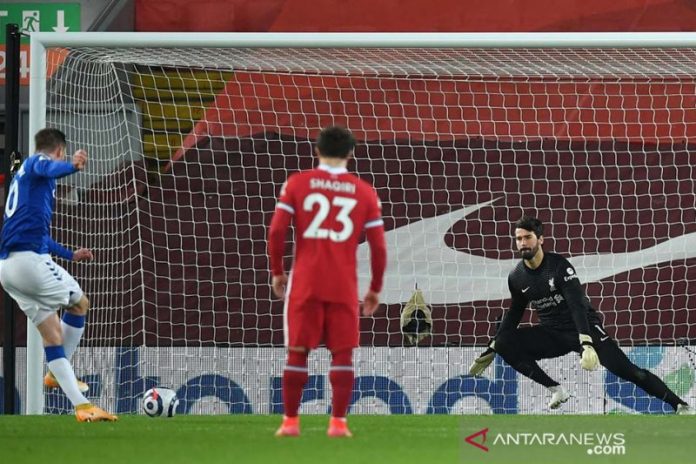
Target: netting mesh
column 189, row 147
column 469, row 63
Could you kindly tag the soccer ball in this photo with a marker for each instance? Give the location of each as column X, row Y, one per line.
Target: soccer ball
column 160, row 402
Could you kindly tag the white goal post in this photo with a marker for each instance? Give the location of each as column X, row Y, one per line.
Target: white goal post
column 460, row 134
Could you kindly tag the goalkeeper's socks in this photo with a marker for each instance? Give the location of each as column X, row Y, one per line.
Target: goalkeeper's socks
column 294, row 379
column 63, row 372
column 72, row 326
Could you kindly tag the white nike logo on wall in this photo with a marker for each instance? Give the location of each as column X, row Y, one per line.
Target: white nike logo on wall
column 418, row 254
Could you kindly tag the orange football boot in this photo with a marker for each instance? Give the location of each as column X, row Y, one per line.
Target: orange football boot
column 51, row 382
column 90, row 413
column 338, row 428
column 289, row 428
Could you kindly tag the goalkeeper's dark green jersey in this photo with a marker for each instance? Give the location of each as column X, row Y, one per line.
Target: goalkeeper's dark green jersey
column 554, row 291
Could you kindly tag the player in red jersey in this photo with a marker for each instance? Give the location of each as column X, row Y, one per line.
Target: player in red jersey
column 330, row 208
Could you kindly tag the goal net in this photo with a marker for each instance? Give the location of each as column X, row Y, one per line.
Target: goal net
column 189, row 147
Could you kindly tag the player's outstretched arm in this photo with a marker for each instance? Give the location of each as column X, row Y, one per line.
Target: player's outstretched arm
column 518, row 303
column 511, row 319
column 81, row 254
column 577, row 303
column 46, row 167
column 57, row 249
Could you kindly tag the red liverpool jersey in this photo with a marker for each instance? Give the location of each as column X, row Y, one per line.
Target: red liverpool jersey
column 330, row 209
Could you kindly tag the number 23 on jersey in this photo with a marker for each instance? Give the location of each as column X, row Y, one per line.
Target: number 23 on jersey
column 315, row 230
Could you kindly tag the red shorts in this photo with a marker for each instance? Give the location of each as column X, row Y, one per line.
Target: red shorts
column 310, row 322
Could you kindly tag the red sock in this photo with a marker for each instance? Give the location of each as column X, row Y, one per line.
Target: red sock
column 342, row 377
column 294, row 380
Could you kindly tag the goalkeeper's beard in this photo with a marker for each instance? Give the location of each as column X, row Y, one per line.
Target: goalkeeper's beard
column 529, row 253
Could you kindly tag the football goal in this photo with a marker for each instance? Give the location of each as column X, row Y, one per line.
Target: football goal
column 191, row 136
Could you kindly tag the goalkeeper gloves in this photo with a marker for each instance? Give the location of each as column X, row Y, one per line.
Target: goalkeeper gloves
column 589, row 360
column 483, row 361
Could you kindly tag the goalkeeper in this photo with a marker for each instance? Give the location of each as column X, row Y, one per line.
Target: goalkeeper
column 567, row 322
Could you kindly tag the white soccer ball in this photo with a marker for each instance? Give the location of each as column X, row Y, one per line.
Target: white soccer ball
column 160, row 402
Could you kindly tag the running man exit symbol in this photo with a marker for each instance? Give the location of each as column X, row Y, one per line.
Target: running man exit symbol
column 30, row 20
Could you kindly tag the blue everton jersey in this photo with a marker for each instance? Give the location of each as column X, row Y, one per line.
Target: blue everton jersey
column 29, row 207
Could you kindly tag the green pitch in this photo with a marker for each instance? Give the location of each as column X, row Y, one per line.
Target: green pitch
column 378, row 439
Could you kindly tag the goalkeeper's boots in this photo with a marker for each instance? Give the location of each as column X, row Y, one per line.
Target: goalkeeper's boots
column 338, row 428
column 560, row 396
column 90, row 413
column 685, row 410
column 51, row 382
column 289, row 428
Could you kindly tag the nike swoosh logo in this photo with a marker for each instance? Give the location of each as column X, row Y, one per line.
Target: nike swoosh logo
column 603, row 338
column 524, row 290
column 418, row 255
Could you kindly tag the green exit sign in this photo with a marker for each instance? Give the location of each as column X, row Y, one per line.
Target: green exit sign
column 40, row 17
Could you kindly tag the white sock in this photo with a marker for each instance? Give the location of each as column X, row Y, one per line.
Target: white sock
column 555, row 388
column 64, row 374
column 71, row 338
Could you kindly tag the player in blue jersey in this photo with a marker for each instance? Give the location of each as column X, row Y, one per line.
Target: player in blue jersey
column 28, row 273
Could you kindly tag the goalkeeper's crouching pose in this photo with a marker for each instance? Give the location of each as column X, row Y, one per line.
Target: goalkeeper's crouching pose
column 547, row 282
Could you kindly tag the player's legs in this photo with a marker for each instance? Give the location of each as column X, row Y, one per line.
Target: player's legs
column 294, row 379
column 342, row 335
column 616, row 362
column 40, row 287
column 522, row 348
column 62, row 372
column 73, row 325
column 73, row 320
column 342, row 377
column 58, row 363
column 303, row 321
